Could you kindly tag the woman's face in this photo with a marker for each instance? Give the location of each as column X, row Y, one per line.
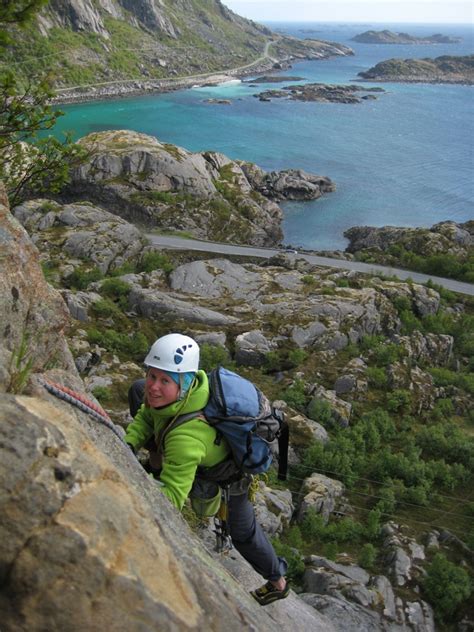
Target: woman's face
column 161, row 389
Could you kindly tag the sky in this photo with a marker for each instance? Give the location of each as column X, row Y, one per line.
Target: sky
column 419, row 11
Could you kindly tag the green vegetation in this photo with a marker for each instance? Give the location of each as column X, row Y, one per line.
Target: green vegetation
column 128, row 346
column 21, row 364
column 440, row 264
column 128, row 50
column 82, row 277
column 213, row 356
column 30, row 160
column 446, row 586
column 154, row 260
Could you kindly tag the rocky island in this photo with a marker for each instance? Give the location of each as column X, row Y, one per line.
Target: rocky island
column 321, row 93
column 444, row 69
column 389, row 37
column 274, row 79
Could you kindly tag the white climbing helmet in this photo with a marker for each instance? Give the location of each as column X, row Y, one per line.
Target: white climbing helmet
column 174, row 352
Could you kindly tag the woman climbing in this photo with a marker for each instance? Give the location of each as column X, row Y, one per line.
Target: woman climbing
column 175, row 386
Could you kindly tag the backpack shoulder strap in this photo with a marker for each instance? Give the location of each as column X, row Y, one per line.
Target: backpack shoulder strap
column 174, row 423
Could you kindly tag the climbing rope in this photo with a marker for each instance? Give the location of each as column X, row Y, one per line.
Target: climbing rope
column 81, row 402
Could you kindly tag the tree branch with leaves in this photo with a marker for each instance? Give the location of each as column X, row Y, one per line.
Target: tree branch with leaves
column 31, row 162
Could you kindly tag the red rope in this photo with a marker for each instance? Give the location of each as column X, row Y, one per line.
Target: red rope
column 98, row 409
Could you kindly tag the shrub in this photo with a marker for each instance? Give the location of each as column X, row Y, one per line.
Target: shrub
column 80, row 278
column 399, row 400
column 105, row 308
column 377, row 377
column 295, row 395
column 131, row 346
column 443, row 409
column 367, row 556
column 297, row 356
column 320, row 411
column 212, row 356
column 295, row 562
column 385, row 354
column 410, row 322
column 114, row 288
column 102, row 393
column 445, row 586
column 154, row 260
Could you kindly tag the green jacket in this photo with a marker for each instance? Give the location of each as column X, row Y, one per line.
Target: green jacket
column 186, row 447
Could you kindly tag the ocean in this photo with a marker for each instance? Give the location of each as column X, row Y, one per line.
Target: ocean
column 405, row 159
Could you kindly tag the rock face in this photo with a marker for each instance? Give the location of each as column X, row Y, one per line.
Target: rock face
column 90, row 542
column 445, row 237
column 291, row 184
column 33, row 316
column 84, row 15
column 388, row 37
column 157, row 184
column 445, row 69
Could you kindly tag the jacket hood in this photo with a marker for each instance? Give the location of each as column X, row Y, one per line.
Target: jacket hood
column 193, row 401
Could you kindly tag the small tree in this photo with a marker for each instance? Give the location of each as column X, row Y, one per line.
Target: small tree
column 29, row 164
column 446, row 586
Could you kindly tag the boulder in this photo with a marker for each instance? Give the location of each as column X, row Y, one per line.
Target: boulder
column 155, row 304
column 290, row 184
column 81, row 231
column 273, row 509
column 251, row 348
column 319, row 493
column 429, row 349
column 346, row 616
column 340, row 410
column 402, row 555
column 157, row 184
column 216, row 278
column 302, row 429
column 79, row 302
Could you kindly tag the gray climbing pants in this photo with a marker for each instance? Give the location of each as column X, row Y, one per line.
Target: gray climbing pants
column 250, row 540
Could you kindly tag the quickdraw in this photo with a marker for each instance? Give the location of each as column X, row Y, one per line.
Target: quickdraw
column 221, row 524
column 81, row 402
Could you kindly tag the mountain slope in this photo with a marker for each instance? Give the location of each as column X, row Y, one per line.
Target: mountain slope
column 83, row 42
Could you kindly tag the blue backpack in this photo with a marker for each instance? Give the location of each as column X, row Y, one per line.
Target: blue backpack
column 242, row 416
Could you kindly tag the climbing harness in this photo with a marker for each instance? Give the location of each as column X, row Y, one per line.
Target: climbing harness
column 221, row 524
column 81, row 402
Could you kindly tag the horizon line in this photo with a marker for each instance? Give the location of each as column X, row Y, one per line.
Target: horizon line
column 315, row 21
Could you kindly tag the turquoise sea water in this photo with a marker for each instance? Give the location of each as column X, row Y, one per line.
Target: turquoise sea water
column 406, row 159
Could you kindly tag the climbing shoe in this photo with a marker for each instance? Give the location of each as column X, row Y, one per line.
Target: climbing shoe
column 268, row 593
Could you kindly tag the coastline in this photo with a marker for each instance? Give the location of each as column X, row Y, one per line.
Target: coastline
column 123, row 89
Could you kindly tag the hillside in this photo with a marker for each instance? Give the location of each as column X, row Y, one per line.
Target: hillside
column 375, row 375
column 444, row 69
column 80, row 42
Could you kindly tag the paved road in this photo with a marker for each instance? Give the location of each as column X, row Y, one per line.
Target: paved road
column 170, row 81
column 249, row 251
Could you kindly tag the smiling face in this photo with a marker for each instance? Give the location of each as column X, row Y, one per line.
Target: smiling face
column 160, row 388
